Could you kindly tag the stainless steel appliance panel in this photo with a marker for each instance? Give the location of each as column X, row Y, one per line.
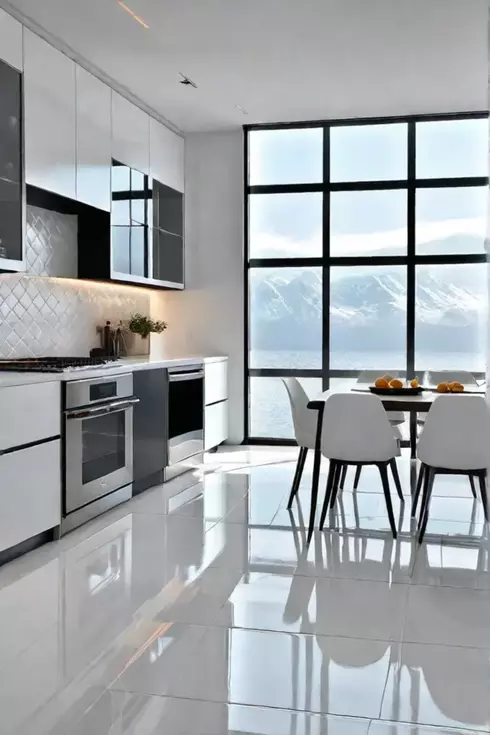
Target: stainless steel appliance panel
column 97, row 390
column 98, row 439
column 185, row 413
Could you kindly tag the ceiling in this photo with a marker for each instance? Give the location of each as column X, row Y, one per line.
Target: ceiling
column 281, row 60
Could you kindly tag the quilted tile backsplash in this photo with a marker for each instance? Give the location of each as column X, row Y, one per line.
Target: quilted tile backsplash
column 42, row 315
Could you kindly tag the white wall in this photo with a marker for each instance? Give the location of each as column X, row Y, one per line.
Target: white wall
column 207, row 318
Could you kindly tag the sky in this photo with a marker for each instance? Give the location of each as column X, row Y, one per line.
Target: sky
column 367, row 222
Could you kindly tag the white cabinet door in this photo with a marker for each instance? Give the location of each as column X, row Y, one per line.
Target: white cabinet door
column 166, row 156
column 50, row 117
column 10, row 40
column 29, row 413
column 215, row 424
column 215, row 381
column 130, row 134
column 30, row 492
column 93, row 140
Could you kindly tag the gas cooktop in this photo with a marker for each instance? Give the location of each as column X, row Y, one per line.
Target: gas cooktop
column 53, row 364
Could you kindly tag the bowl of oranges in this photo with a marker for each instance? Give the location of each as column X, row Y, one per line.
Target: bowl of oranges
column 388, row 385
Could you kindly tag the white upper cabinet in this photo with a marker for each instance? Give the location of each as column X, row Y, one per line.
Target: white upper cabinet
column 50, row 117
column 93, row 140
column 130, row 134
column 10, row 40
column 166, row 156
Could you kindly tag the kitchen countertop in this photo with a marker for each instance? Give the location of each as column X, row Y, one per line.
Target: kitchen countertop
column 126, row 364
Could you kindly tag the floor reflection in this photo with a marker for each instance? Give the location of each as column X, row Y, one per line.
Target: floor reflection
column 198, row 607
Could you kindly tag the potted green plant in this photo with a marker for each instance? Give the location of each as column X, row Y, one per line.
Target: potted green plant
column 140, row 328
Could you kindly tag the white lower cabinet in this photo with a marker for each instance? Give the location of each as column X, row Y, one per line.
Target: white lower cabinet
column 215, row 424
column 215, row 381
column 29, row 413
column 30, row 492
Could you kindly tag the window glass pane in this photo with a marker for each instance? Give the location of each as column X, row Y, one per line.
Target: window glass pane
column 450, row 317
column 452, row 148
column 285, row 317
column 120, row 212
column 138, row 251
column 292, row 156
column 121, row 178
column 285, row 225
column 137, row 180
column 138, row 211
column 451, row 221
column 270, row 412
column 368, row 317
column 120, row 249
column 368, row 223
column 368, row 152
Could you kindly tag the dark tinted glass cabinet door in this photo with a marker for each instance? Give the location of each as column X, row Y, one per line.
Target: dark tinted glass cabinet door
column 11, row 170
column 168, row 235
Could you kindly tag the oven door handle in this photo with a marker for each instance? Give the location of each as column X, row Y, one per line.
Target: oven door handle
column 177, row 377
column 113, row 407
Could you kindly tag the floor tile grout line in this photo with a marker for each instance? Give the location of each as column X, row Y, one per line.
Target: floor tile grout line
column 331, row 636
column 369, row 721
column 316, row 713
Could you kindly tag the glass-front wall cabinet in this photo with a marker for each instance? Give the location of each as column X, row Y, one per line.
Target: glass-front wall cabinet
column 11, row 169
column 147, row 229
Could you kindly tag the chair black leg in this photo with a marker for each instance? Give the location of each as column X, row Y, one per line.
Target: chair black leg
column 418, row 489
column 343, row 476
column 358, row 476
column 482, row 476
column 423, row 505
column 424, row 514
column 297, row 475
column 472, row 483
column 336, row 483
column 316, row 475
column 383, row 471
column 396, row 478
column 332, row 471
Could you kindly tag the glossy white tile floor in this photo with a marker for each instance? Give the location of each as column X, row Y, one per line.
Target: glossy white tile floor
column 197, row 609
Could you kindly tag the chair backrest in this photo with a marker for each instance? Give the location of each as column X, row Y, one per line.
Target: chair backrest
column 456, row 433
column 369, row 376
column 356, row 429
column 304, row 419
column 434, row 377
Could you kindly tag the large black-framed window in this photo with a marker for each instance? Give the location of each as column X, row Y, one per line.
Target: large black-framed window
column 365, row 250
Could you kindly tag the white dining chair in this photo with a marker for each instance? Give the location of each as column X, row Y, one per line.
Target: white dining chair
column 356, row 431
column 454, row 441
column 305, row 425
column 396, row 418
column 431, row 379
column 367, row 377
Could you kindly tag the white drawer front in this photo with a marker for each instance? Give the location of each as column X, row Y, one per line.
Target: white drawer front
column 215, row 424
column 30, row 492
column 215, row 381
column 29, row 413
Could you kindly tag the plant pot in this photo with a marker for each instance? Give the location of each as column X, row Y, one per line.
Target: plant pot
column 136, row 344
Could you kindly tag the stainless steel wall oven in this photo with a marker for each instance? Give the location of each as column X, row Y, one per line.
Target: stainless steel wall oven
column 98, row 446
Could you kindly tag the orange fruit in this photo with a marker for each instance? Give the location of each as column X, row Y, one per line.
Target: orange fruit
column 443, row 388
column 453, row 384
column 458, row 388
column 414, row 383
column 395, row 383
column 388, row 378
column 381, row 383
